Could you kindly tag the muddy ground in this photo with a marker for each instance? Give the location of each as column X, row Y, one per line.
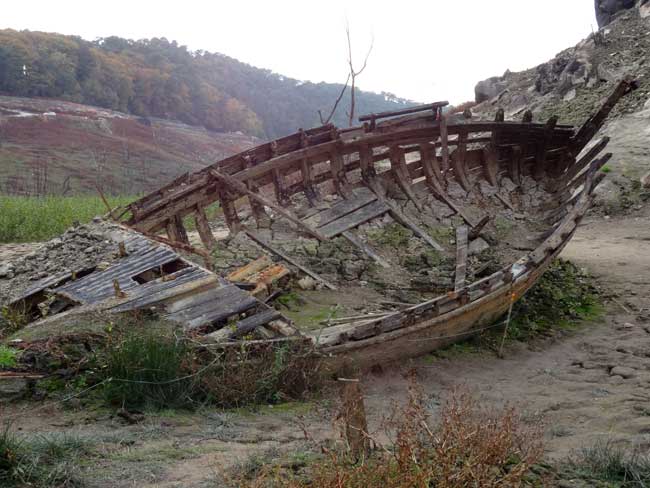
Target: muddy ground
column 589, row 383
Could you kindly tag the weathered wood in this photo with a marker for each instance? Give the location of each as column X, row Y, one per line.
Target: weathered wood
column 289, row 260
column 490, row 164
column 354, row 219
column 539, row 170
column 203, row 228
column 176, row 230
column 309, row 187
column 256, row 207
column 339, row 176
column 444, row 144
column 366, row 163
column 505, row 201
column 461, row 257
column 401, row 173
column 458, row 161
column 365, row 248
column 431, row 168
column 241, row 188
column 476, row 231
column 585, row 160
column 420, row 108
column 360, row 197
column 514, row 168
column 354, row 416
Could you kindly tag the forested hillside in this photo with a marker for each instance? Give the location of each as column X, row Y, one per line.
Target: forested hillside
column 158, row 78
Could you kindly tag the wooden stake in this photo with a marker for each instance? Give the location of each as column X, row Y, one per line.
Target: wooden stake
column 203, row 228
column 354, row 414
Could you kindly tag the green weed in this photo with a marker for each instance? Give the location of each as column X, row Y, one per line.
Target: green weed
column 7, row 357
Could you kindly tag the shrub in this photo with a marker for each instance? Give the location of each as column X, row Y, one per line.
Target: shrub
column 470, row 446
column 148, row 370
column 161, row 371
column 7, row 357
column 563, row 294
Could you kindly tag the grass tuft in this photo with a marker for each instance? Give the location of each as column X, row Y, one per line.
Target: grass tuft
column 28, row 219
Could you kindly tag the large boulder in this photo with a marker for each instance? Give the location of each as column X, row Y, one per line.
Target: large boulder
column 607, row 9
column 490, row 88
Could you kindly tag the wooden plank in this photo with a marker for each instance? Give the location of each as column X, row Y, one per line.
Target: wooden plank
column 461, row 257
column 289, row 260
column 249, row 324
column 203, row 228
column 365, row 248
column 401, row 174
column 361, row 197
column 585, row 160
column 354, row 219
column 241, row 188
column 432, row 170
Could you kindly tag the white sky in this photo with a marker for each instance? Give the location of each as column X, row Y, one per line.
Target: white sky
column 423, row 50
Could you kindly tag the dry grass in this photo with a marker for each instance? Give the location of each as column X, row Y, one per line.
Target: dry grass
column 470, row 446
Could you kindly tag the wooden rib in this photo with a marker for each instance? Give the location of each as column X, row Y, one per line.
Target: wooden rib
column 490, row 164
column 514, row 168
column 289, row 260
column 176, row 230
column 365, row 248
column 366, row 162
column 229, row 211
column 241, row 188
column 432, row 170
column 339, row 177
column 528, row 117
column 258, row 209
column 401, row 174
column 308, row 182
column 458, row 161
column 281, row 195
column 540, row 158
column 461, row 257
column 595, row 122
column 444, row 141
column 578, row 166
column 203, row 228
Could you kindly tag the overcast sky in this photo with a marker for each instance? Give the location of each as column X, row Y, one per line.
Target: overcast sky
column 424, row 50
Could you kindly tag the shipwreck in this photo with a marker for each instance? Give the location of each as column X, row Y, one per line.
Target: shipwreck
column 420, row 226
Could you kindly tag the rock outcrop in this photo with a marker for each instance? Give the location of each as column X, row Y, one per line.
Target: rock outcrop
column 607, row 9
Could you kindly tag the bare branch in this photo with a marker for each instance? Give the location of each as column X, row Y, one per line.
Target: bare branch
column 336, row 104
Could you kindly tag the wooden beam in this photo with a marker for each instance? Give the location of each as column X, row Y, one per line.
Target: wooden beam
column 203, row 228
column 289, row 260
column 309, row 188
column 354, row 219
column 241, row 188
column 461, row 257
column 229, row 211
column 366, row 162
column 539, row 170
column 490, row 164
column 258, row 209
column 420, row 108
column 281, row 195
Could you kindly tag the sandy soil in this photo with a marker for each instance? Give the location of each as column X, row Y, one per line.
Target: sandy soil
column 592, row 383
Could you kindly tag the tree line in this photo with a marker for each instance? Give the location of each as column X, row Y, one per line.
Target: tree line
column 159, row 78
